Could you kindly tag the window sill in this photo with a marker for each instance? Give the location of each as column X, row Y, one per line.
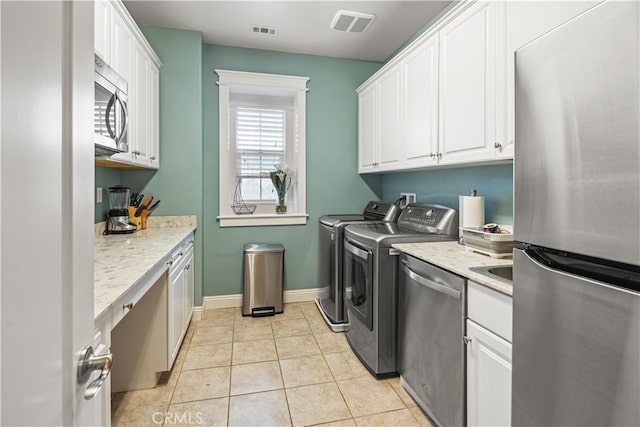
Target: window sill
column 257, row 220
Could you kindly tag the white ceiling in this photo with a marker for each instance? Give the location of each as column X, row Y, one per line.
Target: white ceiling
column 301, row 26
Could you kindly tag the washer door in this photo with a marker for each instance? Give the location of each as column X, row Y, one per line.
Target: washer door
column 358, row 281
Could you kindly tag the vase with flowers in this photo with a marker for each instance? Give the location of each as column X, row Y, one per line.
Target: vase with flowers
column 281, row 180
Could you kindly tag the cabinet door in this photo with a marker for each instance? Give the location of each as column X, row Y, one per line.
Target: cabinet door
column 102, row 30
column 139, row 107
column 526, row 21
column 154, row 116
column 121, row 46
column 389, row 114
column 468, row 85
column 367, row 130
column 488, row 378
column 176, row 312
column 189, row 284
column 420, row 119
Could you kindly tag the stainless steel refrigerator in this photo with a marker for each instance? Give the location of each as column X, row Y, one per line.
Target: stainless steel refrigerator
column 576, row 313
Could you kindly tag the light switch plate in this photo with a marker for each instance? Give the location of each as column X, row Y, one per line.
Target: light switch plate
column 98, row 194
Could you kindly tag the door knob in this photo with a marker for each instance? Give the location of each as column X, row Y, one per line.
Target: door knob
column 467, row 340
column 90, row 362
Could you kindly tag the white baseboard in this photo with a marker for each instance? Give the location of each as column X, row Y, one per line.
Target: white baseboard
column 235, row 300
column 197, row 313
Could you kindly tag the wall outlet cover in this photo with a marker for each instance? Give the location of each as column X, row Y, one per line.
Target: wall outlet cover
column 408, row 199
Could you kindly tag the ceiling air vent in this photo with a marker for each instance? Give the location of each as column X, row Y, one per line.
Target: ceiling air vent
column 351, row 22
column 261, row 29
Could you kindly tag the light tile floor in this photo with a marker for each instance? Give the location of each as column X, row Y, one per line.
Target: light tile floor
column 284, row 370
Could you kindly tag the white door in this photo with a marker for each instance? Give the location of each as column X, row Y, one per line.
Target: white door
column 367, row 133
column 388, row 119
column 467, row 85
column 488, row 378
column 47, row 175
column 420, row 118
column 139, row 107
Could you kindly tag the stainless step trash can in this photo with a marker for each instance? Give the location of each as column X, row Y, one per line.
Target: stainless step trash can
column 262, row 279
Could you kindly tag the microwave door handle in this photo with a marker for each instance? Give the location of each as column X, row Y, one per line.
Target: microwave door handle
column 110, row 105
column 125, row 122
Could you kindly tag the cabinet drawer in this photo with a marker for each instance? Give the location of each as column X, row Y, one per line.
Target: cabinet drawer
column 491, row 309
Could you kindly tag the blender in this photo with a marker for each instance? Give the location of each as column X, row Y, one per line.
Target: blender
column 118, row 216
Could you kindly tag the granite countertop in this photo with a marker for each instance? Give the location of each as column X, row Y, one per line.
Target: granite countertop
column 122, row 260
column 458, row 259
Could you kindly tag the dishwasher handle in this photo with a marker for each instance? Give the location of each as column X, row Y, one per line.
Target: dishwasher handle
column 438, row 287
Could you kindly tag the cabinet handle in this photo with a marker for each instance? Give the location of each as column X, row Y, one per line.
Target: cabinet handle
column 497, row 145
column 439, row 154
column 188, row 266
column 129, row 306
column 467, row 340
column 152, row 157
column 170, row 262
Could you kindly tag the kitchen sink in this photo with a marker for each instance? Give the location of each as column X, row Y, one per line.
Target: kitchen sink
column 500, row 272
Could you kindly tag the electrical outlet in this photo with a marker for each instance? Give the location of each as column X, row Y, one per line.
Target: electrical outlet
column 98, row 194
column 408, row 198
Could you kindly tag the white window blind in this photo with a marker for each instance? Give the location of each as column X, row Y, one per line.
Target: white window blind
column 260, row 141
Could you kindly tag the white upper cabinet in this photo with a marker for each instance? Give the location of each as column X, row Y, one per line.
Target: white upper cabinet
column 379, row 123
column 367, row 122
column 468, row 86
column 118, row 40
column 455, row 103
column 525, row 22
column 121, row 46
column 154, row 116
column 389, row 111
column 101, row 30
column 420, row 119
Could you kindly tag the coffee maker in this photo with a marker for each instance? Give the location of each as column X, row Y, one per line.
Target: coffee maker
column 118, row 216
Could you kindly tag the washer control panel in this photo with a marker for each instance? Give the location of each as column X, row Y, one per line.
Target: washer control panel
column 426, row 218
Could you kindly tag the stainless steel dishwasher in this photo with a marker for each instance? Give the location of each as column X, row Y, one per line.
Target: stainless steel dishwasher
column 431, row 315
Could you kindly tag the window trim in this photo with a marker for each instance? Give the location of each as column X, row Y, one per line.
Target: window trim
column 232, row 82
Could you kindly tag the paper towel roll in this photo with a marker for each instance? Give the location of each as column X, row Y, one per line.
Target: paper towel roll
column 471, row 212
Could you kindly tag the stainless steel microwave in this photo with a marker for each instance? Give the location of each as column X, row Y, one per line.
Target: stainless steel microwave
column 110, row 113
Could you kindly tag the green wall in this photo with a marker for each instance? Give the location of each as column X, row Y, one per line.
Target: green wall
column 105, row 178
column 333, row 183
column 443, row 186
column 178, row 182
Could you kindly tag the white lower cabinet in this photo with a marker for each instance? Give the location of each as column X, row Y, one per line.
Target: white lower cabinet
column 176, row 310
column 488, row 349
column 189, row 278
column 181, row 281
column 488, row 378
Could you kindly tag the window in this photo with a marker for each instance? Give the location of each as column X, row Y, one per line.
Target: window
column 261, row 137
column 262, row 124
